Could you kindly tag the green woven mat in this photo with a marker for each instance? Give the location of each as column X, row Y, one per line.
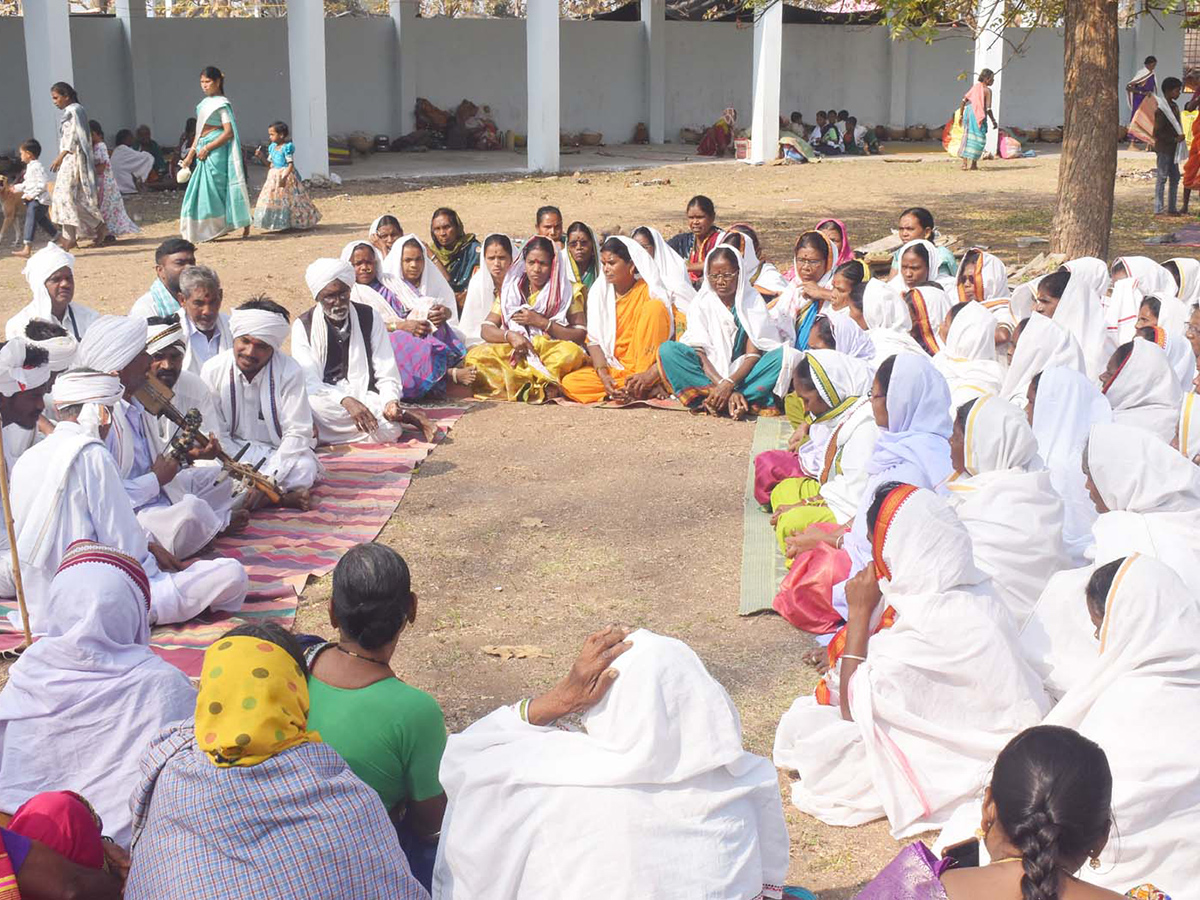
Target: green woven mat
column 763, row 566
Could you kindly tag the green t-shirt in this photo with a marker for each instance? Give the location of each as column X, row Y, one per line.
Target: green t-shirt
column 391, row 734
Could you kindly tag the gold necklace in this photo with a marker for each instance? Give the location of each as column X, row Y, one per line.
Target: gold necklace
column 996, row 862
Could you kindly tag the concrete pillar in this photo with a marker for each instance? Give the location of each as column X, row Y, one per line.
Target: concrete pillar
column 404, row 97
column 898, row 100
column 654, row 26
column 132, row 16
column 47, row 60
column 542, row 79
column 306, row 70
column 989, row 54
column 768, row 73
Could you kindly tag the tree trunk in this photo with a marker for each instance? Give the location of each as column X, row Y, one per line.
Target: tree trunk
column 1087, row 170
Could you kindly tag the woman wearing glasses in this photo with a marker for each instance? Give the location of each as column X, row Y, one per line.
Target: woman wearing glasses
column 731, row 356
column 814, row 257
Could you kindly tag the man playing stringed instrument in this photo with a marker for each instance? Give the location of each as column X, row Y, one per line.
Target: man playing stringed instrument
column 263, row 414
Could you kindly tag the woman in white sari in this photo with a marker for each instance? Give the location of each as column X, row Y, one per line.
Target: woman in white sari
column 672, row 271
column 1081, row 312
column 1163, row 320
column 216, row 201
column 1004, row 496
column 655, row 797
column 90, row 694
column 888, row 321
column 1040, row 344
column 967, row 359
column 417, row 307
column 929, row 701
column 1139, row 699
column 814, row 259
column 928, row 305
column 1065, row 405
column 764, row 276
column 75, row 205
column 1186, row 272
column 982, row 278
column 925, row 264
column 1187, row 439
column 1142, row 389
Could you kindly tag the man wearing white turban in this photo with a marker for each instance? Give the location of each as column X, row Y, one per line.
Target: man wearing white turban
column 24, row 376
column 262, row 404
column 353, row 383
column 68, row 488
column 182, row 509
column 51, row 276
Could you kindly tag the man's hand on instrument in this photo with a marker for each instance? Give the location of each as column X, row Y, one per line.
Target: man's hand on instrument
column 165, row 468
column 207, row 450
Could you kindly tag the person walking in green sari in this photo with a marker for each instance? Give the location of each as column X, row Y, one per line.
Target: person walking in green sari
column 216, row 201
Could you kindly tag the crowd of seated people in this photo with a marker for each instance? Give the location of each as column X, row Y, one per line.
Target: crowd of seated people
column 987, row 507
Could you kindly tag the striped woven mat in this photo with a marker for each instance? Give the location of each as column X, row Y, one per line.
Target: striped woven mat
column 763, row 566
column 283, row 548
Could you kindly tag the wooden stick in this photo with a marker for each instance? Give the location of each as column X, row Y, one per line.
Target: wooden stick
column 12, row 543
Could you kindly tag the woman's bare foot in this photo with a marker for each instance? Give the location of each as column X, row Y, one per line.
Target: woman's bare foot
column 553, row 392
column 464, row 375
column 68, row 244
column 301, row 500
column 24, row 253
column 246, row 232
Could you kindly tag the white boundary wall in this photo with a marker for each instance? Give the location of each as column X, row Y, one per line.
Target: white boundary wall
column 708, row 67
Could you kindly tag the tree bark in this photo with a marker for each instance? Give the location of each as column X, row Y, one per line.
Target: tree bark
column 1087, row 170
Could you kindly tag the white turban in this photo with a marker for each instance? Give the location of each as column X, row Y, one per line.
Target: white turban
column 62, row 349
column 41, row 266
column 15, row 376
column 324, row 272
column 160, row 337
column 77, row 387
column 260, row 324
column 111, row 343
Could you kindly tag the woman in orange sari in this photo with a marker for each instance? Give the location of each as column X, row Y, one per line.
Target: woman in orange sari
column 1191, row 169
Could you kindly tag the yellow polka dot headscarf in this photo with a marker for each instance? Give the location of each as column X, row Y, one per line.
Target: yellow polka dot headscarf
column 253, row 702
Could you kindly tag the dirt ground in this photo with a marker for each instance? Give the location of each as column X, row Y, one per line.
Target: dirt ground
column 534, row 526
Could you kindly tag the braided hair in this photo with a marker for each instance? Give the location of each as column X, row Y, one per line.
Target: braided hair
column 1052, row 789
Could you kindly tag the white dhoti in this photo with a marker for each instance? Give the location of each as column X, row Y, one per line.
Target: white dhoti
column 336, row 426
column 216, row 584
column 202, row 504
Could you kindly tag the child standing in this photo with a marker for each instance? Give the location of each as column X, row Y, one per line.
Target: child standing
column 283, row 203
column 112, row 206
column 36, row 196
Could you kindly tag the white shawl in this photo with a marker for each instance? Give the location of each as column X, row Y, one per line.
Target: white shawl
column 1146, row 277
column 1023, row 298
column 367, row 295
column 88, row 695
column 481, row 297
column 1008, row 505
column 840, row 380
column 1081, row 313
column 1042, row 344
column 1145, row 393
column 686, row 811
column 945, row 280
column 1188, row 434
column 1188, row 287
column 1067, row 407
column 967, row 360
column 434, row 289
column 1140, row 702
column 672, row 270
column 888, row 321
column 917, row 748
column 1153, row 497
column 602, row 300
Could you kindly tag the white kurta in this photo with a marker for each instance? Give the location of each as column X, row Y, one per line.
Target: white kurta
column 86, row 499
column 199, row 348
column 334, row 423
column 276, row 428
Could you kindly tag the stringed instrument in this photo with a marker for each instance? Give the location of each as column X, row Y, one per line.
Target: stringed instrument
column 156, row 397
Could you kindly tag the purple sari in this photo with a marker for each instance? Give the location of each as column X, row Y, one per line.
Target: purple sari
column 915, row 874
column 422, row 361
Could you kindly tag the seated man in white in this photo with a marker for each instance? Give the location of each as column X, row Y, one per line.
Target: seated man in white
column 170, row 259
column 165, row 344
column 68, row 488
column 182, row 509
column 262, row 404
column 51, row 276
column 353, row 383
column 205, row 327
column 24, row 375
column 61, row 348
